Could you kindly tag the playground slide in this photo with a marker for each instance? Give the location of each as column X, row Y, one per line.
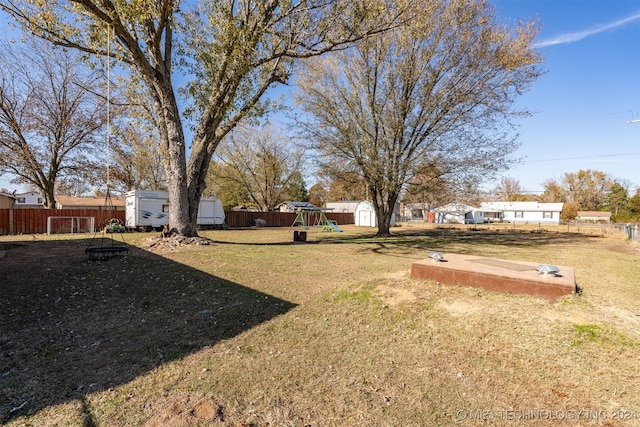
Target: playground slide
column 334, row 226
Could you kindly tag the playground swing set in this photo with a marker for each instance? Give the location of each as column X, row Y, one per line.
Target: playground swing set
column 314, row 217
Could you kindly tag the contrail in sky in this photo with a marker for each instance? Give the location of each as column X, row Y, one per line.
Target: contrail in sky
column 574, row 37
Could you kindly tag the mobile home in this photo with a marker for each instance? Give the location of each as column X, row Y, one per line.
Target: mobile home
column 150, row 209
column 457, row 213
column 525, row 212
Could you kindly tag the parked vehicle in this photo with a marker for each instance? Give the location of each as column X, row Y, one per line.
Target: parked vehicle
column 150, row 210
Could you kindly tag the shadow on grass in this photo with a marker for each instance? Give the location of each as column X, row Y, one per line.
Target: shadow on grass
column 70, row 327
column 464, row 241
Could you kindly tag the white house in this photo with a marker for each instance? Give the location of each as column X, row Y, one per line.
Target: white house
column 365, row 215
column 458, row 213
column 524, row 212
column 30, row 199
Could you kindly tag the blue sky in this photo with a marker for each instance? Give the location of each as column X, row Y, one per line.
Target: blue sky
column 591, row 90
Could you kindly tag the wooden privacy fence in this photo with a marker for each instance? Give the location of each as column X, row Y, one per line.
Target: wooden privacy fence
column 34, row 221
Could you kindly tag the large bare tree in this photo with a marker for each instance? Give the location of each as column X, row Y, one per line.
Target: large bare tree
column 438, row 91
column 50, row 117
column 262, row 162
column 508, row 189
column 230, row 53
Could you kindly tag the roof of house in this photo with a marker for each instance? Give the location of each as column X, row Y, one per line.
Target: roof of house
column 81, row 202
column 598, row 214
column 522, row 206
column 455, row 207
column 299, row 205
column 11, row 196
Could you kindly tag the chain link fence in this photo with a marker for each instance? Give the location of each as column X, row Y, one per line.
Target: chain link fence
column 632, row 231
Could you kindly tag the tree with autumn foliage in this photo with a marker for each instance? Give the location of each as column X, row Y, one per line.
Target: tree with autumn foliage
column 439, row 90
column 226, row 54
column 586, row 189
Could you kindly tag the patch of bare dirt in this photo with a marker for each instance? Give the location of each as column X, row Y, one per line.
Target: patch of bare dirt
column 395, row 290
column 183, row 410
column 392, row 295
column 458, row 308
column 172, row 243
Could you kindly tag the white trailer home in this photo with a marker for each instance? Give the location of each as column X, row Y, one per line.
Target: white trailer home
column 525, row 212
column 457, row 213
column 150, row 209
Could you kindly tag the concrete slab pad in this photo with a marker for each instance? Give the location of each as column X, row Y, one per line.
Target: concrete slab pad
column 516, row 277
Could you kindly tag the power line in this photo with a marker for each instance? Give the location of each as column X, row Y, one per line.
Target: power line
column 598, row 156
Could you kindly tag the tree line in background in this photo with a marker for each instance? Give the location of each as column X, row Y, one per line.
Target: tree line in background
column 59, row 147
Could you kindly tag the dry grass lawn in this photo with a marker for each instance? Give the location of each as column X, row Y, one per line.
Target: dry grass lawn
column 255, row 330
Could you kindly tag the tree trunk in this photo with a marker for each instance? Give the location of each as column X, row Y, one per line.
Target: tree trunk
column 48, row 196
column 383, row 226
column 383, row 205
column 180, row 217
column 383, row 214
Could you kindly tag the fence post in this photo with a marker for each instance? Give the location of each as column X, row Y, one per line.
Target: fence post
column 11, row 221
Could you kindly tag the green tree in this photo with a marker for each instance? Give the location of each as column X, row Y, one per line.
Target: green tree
column 439, row 90
column 224, row 183
column 230, row 54
column 295, row 189
column 616, row 200
column 633, row 207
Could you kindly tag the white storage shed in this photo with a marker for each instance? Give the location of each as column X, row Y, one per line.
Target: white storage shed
column 365, row 215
